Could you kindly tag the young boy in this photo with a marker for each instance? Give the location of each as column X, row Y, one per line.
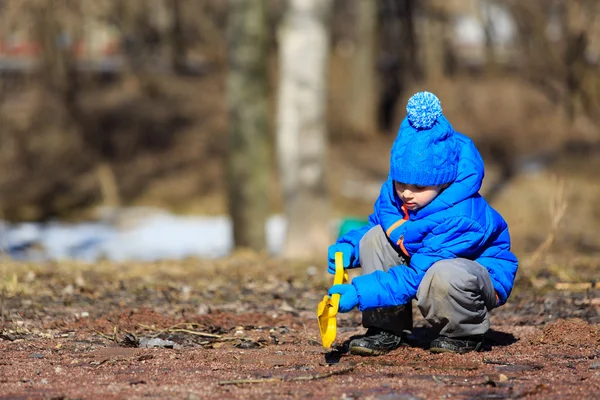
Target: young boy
column 431, row 237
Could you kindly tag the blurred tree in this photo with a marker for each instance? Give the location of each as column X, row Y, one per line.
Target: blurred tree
column 153, row 35
column 397, row 61
column 554, row 39
column 581, row 76
column 178, row 42
column 247, row 97
column 362, row 102
column 57, row 68
column 434, row 42
column 484, row 14
column 140, row 37
column 539, row 54
column 58, row 25
column 301, row 126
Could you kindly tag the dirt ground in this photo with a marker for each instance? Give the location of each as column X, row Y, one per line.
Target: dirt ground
column 245, row 328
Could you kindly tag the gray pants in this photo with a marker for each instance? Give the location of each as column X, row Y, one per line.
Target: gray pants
column 454, row 296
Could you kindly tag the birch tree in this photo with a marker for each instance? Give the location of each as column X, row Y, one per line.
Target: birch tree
column 247, row 96
column 301, row 126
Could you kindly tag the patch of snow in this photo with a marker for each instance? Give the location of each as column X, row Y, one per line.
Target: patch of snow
column 152, row 237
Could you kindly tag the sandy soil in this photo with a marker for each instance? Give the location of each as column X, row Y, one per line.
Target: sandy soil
column 73, row 332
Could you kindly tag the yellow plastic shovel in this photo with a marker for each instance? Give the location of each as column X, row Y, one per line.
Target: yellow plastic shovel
column 328, row 307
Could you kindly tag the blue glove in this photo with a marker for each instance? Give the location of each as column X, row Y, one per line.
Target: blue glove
column 348, row 252
column 348, row 296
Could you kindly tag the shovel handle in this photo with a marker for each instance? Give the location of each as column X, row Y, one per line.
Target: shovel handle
column 341, row 276
column 328, row 307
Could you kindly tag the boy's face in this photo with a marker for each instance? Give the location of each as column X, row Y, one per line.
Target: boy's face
column 415, row 197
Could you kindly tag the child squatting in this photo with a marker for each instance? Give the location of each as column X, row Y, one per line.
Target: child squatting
column 432, row 237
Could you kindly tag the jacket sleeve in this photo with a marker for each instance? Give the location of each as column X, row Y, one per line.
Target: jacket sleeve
column 504, row 266
column 456, row 237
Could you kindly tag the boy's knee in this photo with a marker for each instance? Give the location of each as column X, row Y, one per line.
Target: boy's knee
column 444, row 277
column 372, row 239
column 376, row 253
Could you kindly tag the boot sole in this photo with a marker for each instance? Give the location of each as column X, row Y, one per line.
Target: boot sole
column 439, row 350
column 460, row 351
column 363, row 351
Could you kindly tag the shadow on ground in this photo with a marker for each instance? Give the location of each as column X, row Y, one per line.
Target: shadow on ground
column 421, row 337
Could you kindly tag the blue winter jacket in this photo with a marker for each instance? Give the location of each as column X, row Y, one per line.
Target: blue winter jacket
column 458, row 223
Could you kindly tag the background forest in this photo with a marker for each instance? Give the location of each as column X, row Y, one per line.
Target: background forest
column 257, row 108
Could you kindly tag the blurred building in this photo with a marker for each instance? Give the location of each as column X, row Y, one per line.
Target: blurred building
column 99, row 48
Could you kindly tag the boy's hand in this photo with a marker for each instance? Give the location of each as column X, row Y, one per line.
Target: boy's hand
column 348, row 296
column 346, row 249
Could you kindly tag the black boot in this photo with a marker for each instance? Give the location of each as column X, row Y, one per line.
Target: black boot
column 386, row 326
column 460, row 345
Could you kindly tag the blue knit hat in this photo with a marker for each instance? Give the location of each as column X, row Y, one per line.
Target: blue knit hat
column 425, row 152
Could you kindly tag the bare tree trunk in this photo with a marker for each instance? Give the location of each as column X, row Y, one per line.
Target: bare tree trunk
column 139, row 38
column 109, row 188
column 398, row 64
column 576, row 34
column 362, row 110
column 57, row 69
column 434, row 40
column 301, row 126
column 247, row 95
column 178, row 44
column 484, row 14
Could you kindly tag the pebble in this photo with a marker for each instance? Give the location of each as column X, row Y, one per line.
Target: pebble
column 595, row 365
column 157, row 342
column 203, row 309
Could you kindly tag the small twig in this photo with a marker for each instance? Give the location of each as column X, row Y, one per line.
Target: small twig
column 105, row 336
column 536, row 390
column 325, row 375
column 233, row 338
column 100, row 363
column 486, row 361
column 533, row 366
column 203, row 334
column 174, row 328
column 158, row 333
column 241, row 381
column 459, row 368
column 132, row 334
column 558, row 208
column 294, row 379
